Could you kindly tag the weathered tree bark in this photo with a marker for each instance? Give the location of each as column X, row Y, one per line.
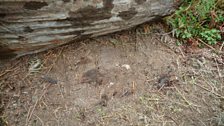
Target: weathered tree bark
column 31, row 26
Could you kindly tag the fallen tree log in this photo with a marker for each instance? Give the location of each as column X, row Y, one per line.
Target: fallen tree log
column 31, row 26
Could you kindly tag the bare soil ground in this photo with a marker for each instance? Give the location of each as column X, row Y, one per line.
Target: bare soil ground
column 132, row 78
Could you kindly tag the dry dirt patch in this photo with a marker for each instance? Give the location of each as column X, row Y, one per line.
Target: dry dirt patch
column 130, row 78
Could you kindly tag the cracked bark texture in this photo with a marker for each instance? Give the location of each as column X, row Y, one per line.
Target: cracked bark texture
column 31, row 26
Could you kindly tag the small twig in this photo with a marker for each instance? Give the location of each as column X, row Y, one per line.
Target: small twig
column 61, row 92
column 10, row 69
column 220, row 49
column 163, row 85
column 28, row 116
column 171, row 100
column 151, row 79
column 188, row 103
column 173, row 120
column 167, row 33
column 31, row 112
column 220, row 75
column 133, row 87
column 44, row 104
column 209, row 91
column 42, row 123
column 4, row 73
column 208, row 82
column 208, row 46
column 55, row 112
column 182, row 53
column 201, row 122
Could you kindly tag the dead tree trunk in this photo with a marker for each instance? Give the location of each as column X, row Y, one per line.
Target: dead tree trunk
column 31, row 26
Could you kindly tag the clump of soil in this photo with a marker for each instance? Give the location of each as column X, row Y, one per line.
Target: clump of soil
column 130, row 78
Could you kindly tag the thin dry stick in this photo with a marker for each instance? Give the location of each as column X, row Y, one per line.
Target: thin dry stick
column 182, row 53
column 220, row 50
column 44, row 104
column 42, row 123
column 166, row 98
column 4, row 73
column 206, row 81
column 220, row 75
column 171, row 118
column 31, row 112
column 150, row 80
column 133, row 87
column 28, row 116
column 208, row 46
column 188, row 103
column 161, row 87
column 61, row 92
column 210, row 91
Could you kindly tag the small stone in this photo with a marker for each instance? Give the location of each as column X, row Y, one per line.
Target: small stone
column 126, row 66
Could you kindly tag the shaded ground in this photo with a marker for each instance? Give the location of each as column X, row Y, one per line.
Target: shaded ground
column 135, row 78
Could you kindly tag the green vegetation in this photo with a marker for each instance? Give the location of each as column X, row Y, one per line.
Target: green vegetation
column 199, row 21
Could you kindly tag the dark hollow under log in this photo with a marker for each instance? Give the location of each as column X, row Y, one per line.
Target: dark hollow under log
column 31, row 26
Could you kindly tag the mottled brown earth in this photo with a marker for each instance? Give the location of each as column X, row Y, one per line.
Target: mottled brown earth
column 132, row 78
